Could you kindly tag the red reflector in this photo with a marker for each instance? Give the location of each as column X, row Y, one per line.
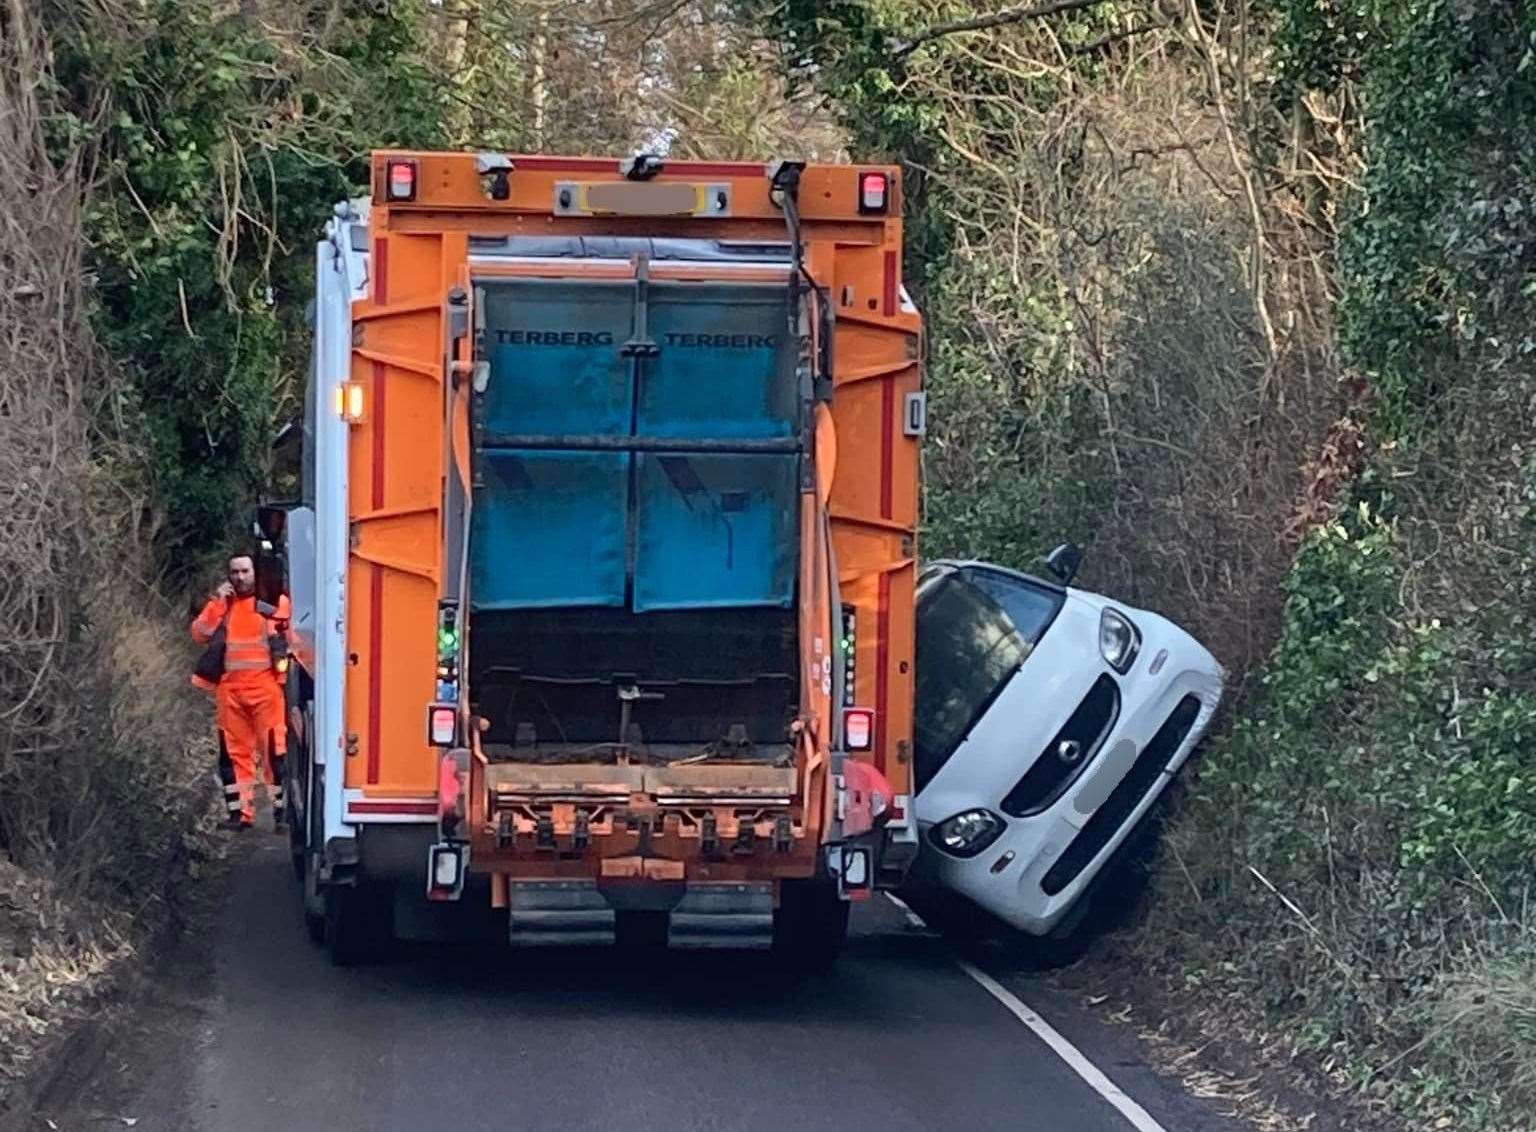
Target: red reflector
column 402, row 180
column 449, row 786
column 442, row 726
column 874, row 188
column 858, row 729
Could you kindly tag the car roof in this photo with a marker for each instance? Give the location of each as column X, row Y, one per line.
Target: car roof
column 977, row 564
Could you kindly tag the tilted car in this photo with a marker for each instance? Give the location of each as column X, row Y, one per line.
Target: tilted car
column 1049, row 719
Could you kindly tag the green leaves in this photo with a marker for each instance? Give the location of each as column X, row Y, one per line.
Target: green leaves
column 212, row 186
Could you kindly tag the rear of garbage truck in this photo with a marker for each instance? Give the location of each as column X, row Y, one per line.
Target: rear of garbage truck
column 603, row 570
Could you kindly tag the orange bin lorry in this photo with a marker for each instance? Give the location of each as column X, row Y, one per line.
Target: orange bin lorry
column 602, row 572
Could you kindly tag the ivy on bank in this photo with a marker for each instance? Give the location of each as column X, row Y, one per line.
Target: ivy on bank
column 223, row 140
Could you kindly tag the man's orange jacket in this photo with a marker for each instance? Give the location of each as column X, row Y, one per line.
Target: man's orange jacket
column 247, row 638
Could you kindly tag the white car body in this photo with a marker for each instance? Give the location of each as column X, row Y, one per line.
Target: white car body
column 1114, row 771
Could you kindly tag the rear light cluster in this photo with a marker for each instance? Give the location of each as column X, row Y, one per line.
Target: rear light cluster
column 850, row 647
column 874, row 193
column 448, row 652
column 858, row 729
column 443, row 716
column 400, row 181
column 865, row 798
column 442, row 725
column 452, row 792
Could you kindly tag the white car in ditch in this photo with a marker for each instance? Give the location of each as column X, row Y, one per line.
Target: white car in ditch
column 1049, row 720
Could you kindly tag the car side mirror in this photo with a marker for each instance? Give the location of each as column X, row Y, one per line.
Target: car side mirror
column 1064, row 562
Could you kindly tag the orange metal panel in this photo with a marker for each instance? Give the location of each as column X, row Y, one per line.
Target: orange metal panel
column 395, row 510
column 448, row 183
column 398, row 475
column 874, row 500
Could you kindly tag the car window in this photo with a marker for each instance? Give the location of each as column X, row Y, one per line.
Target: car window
column 1029, row 605
column 974, row 629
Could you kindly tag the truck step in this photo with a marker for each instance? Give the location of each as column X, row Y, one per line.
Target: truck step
column 558, row 914
column 723, row 916
column 573, row 913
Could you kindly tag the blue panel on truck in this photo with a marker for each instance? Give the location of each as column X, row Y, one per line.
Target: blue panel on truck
column 561, row 524
column 549, row 529
column 715, row 530
column 727, row 362
column 555, row 363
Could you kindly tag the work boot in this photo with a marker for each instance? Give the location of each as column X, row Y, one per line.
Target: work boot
column 278, row 824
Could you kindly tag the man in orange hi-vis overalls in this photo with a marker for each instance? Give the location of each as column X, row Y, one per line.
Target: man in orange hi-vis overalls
column 251, row 712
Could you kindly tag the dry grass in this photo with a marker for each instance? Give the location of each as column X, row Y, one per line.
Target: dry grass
column 102, row 755
column 1484, row 1023
column 52, row 956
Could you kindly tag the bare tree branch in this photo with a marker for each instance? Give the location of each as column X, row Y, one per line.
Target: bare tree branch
column 1105, row 40
column 1015, row 15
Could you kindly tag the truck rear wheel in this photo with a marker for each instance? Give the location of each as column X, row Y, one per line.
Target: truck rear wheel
column 295, row 782
column 312, row 899
column 358, row 924
column 314, row 920
column 810, row 925
column 293, row 790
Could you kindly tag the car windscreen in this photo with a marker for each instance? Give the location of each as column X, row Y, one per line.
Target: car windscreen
column 974, row 628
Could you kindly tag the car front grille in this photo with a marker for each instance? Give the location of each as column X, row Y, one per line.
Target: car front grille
column 1064, row 758
column 1124, row 799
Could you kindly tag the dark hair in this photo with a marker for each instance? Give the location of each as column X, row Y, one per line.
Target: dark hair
column 234, row 554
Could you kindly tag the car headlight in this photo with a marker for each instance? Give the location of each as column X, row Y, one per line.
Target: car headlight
column 1119, row 641
column 968, row 832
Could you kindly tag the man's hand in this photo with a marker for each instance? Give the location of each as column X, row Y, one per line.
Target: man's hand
column 224, row 592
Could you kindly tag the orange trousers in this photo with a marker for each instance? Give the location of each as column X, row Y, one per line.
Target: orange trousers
column 252, row 719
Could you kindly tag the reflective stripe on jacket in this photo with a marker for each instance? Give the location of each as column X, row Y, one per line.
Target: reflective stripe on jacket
column 247, row 636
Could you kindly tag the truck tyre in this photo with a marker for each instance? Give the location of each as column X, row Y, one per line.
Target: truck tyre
column 294, row 782
column 810, row 926
column 314, row 922
column 296, row 776
column 310, row 848
column 357, row 924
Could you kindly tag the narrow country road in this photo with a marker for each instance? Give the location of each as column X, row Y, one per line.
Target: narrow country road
column 247, row 1028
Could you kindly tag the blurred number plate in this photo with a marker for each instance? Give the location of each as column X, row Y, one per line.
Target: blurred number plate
column 640, row 198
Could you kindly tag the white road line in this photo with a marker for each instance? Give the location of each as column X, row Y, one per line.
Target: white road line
column 1074, row 1058
column 913, row 919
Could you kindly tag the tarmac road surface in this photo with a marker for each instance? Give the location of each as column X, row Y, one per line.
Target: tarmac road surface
column 247, row 1028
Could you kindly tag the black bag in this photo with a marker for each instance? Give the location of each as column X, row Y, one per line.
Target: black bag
column 210, row 666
